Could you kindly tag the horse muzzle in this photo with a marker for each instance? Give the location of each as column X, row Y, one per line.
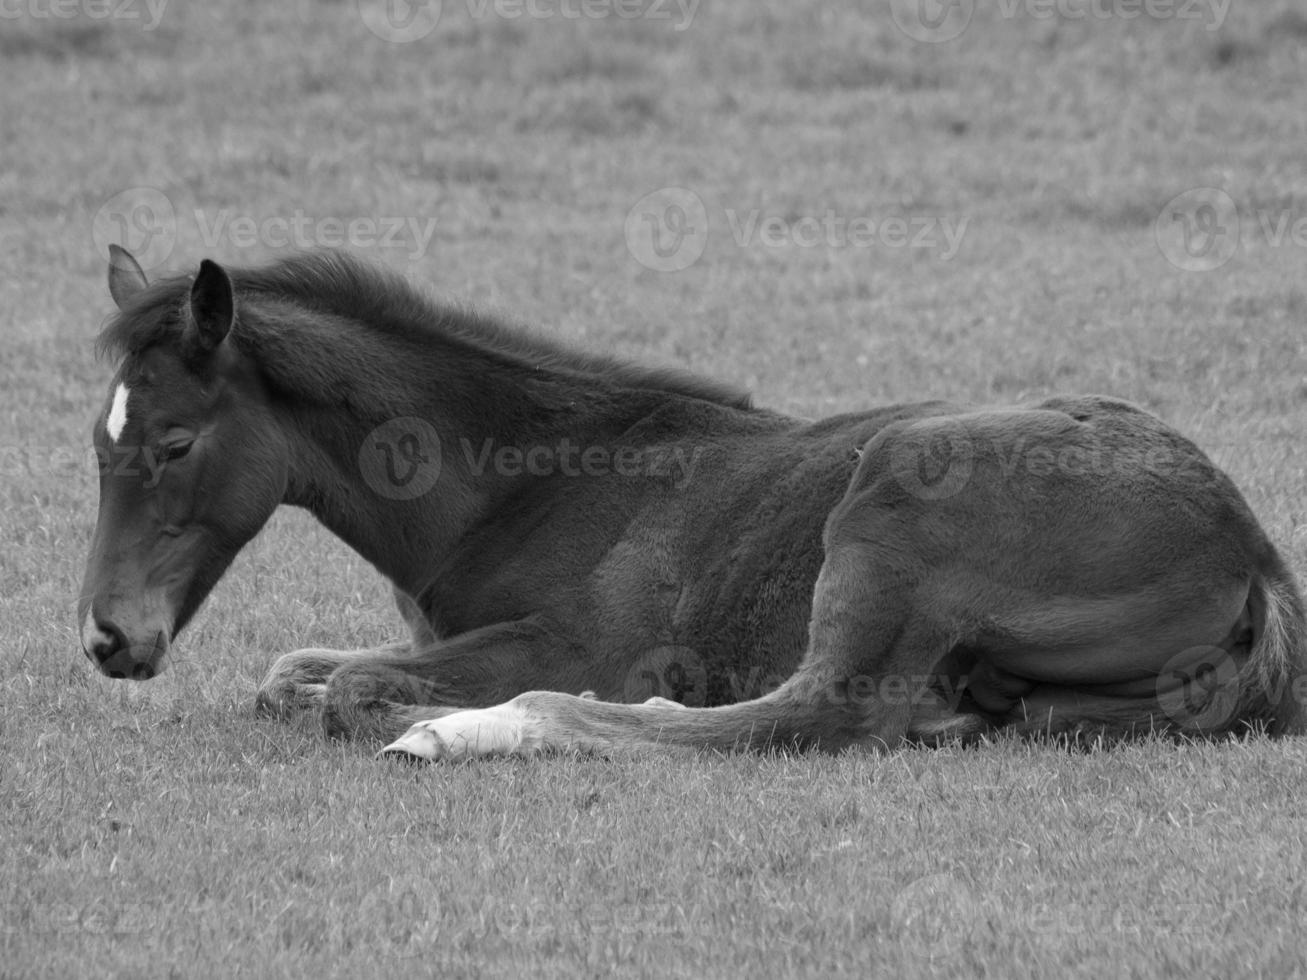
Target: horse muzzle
column 109, row 648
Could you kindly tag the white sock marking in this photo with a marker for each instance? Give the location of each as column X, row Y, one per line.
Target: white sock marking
column 471, row 734
column 117, row 419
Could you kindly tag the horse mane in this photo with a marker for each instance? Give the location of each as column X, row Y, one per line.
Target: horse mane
column 313, row 318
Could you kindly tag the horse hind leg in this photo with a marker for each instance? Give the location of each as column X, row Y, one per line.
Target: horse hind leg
column 1241, row 682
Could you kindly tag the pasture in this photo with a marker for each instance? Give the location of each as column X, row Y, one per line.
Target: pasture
column 804, row 199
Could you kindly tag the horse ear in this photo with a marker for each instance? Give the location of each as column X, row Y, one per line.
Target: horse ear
column 213, row 304
column 126, row 277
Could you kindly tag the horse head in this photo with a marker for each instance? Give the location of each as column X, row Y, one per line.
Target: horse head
column 191, row 465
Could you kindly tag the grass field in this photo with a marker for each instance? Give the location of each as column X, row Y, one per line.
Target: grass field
column 862, row 218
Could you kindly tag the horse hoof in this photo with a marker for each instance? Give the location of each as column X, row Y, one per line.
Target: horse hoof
column 418, row 744
column 279, row 702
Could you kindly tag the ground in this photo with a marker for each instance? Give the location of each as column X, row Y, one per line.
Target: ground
column 845, row 216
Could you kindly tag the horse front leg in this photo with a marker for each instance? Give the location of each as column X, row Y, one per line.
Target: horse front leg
column 298, row 680
column 382, row 695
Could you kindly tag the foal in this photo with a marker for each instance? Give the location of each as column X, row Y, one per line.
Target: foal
column 557, row 522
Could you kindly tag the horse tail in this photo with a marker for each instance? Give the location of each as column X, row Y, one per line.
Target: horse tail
column 1269, row 683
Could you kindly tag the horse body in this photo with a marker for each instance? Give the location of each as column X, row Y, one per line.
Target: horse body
column 1164, row 607
column 915, row 571
column 720, row 567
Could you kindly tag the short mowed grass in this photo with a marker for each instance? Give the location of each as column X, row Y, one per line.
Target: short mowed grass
column 164, row 830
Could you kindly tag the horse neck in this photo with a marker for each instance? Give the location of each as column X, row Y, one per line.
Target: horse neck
column 339, row 466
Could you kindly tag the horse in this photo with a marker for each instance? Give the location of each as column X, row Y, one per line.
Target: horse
column 591, row 555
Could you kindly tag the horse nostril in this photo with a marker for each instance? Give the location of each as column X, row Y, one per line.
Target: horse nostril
column 107, row 646
column 103, row 642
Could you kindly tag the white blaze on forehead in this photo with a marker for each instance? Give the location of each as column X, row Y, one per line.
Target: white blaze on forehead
column 117, row 413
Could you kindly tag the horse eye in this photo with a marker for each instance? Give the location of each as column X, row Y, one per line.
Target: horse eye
column 176, row 450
